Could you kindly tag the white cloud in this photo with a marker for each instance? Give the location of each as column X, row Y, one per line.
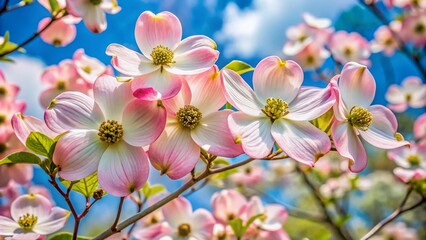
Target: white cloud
column 259, row 30
column 26, row 72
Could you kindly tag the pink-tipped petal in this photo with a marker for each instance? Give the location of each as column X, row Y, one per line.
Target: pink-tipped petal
column 24, row 125
column 177, row 211
column 48, row 95
column 95, row 19
column 310, row 103
column 206, row 88
column 254, row 133
column 129, row 62
column 73, row 110
column 301, row 140
column 77, row 154
column 52, row 223
column 156, row 85
column 8, row 227
column 357, row 85
column 419, row 129
column 239, row 93
column 153, row 30
column 276, row 78
column 123, row 169
column 21, row 173
column 227, row 202
column 30, row 204
column 214, row 136
column 112, row 96
column 340, row 110
column 381, row 132
column 174, row 153
column 179, row 101
column 202, row 224
column 193, row 42
column 195, row 61
column 59, row 33
column 349, row 146
column 276, row 215
column 143, row 122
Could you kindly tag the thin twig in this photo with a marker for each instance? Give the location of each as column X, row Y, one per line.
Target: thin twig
column 399, row 211
column 174, row 195
column 117, row 218
column 340, row 231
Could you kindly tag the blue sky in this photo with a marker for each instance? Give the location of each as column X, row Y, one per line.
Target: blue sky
column 247, row 30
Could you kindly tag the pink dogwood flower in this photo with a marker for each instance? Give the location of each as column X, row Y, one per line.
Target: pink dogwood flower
column 412, row 92
column 32, row 216
column 249, row 175
column 93, row 12
column 106, row 134
column 355, row 118
column 420, row 128
column 413, row 28
column 312, row 56
column 274, row 215
column 227, row 205
column 60, row 78
column 194, row 123
column 165, row 58
column 181, row 222
column 346, row 47
column 277, row 110
column 89, row 68
column 408, row 157
column 60, row 33
column 8, row 91
column 408, row 175
column 384, row 41
column 405, row 3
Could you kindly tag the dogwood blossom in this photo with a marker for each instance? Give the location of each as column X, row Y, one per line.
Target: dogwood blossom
column 411, row 93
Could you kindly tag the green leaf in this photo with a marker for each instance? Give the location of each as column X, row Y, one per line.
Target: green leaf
column 228, row 105
column 150, row 191
column 324, row 121
column 66, row 236
column 21, row 157
column 85, row 186
column 7, row 46
column 251, row 220
column 220, row 161
column 239, row 67
column 54, row 6
column 237, row 227
column 343, row 219
column 39, row 143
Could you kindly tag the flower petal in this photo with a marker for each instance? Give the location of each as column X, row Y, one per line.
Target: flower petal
column 174, row 153
column 123, row 169
column 301, row 140
column 143, row 122
column 35, row 204
column 177, row 211
column 197, row 60
column 8, row 226
column 381, row 132
column 157, row 85
column 77, row 154
column 73, row 110
column 112, row 96
column 202, row 224
column 193, row 42
column 48, row 95
column 357, row 85
column 129, row 62
column 214, row 136
column 24, row 125
column 153, row 30
column 348, row 145
column 275, row 78
column 95, row 19
column 276, row 215
column 54, row 222
column 21, row 173
column 206, row 88
column 310, row 103
column 254, row 133
column 239, row 93
column 179, row 101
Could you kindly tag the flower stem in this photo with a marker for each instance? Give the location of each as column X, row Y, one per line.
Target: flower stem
column 117, row 218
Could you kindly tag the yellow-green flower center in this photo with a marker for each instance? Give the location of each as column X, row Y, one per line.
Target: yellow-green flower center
column 420, row 28
column 162, row 55
column 3, row 91
column 27, row 221
column 184, row 230
column 347, row 51
column 413, row 159
column 61, row 85
column 360, row 118
column 3, row 148
column 275, row 108
column 87, row 69
column 95, row 2
column 189, row 116
column 2, row 118
column 110, row 131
